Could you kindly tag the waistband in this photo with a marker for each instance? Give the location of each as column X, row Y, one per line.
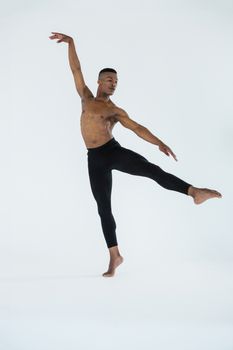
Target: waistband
column 106, row 145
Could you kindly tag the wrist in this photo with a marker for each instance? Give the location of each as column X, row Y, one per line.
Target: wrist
column 160, row 143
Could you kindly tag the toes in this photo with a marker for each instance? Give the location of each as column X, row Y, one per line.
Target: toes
column 218, row 193
column 106, row 274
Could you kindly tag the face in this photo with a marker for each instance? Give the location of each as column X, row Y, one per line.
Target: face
column 108, row 82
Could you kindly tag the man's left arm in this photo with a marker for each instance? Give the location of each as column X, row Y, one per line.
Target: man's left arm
column 142, row 132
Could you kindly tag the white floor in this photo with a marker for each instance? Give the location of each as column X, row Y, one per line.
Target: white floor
column 147, row 305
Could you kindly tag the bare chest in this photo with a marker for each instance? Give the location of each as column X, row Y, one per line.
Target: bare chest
column 99, row 115
column 97, row 121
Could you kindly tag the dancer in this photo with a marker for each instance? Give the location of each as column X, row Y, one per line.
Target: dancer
column 104, row 152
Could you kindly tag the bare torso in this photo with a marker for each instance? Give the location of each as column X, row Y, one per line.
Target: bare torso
column 97, row 121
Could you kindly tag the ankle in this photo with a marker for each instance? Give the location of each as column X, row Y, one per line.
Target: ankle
column 191, row 191
column 114, row 252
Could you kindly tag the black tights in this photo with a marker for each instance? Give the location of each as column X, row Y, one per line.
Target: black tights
column 102, row 160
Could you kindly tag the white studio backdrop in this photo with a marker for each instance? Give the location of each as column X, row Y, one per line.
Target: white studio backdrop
column 174, row 63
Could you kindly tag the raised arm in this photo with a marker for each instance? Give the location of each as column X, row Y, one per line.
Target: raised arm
column 142, row 131
column 75, row 66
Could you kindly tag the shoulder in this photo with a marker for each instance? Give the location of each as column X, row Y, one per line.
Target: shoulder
column 120, row 113
column 116, row 109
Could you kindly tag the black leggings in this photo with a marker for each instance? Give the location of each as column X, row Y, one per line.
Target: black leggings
column 102, row 160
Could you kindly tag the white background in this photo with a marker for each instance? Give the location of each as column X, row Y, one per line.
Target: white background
column 174, row 290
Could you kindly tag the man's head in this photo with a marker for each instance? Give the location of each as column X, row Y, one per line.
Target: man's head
column 107, row 80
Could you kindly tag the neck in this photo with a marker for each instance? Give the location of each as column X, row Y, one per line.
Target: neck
column 101, row 96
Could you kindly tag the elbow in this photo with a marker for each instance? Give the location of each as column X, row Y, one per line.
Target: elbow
column 75, row 69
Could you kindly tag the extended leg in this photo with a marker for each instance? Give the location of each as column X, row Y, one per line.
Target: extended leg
column 133, row 163
column 200, row 195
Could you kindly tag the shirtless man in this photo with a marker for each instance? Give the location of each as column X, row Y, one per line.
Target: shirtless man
column 104, row 153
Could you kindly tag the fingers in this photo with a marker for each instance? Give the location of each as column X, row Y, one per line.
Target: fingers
column 168, row 151
column 56, row 35
column 165, row 150
column 53, row 37
column 174, row 156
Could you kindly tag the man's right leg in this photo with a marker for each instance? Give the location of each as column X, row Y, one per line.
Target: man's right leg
column 101, row 185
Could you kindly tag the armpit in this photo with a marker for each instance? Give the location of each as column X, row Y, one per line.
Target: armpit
column 126, row 121
column 113, row 117
column 87, row 93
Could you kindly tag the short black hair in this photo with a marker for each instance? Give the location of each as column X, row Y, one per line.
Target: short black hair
column 107, row 70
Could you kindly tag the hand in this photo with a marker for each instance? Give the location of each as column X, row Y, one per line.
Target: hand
column 61, row 37
column 165, row 149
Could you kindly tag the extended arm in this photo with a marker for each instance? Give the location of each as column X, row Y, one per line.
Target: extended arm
column 142, row 132
column 75, row 66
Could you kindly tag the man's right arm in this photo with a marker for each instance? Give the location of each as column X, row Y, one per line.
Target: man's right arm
column 75, row 66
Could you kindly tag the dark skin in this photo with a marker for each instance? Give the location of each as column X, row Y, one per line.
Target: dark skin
column 100, row 115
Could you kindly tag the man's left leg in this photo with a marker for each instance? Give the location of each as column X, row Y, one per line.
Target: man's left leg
column 128, row 161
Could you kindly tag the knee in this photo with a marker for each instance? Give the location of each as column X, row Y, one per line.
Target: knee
column 104, row 209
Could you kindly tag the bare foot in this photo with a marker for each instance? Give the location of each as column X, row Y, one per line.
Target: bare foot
column 202, row 194
column 114, row 263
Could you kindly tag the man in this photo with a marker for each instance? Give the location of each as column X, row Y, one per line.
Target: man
column 99, row 116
